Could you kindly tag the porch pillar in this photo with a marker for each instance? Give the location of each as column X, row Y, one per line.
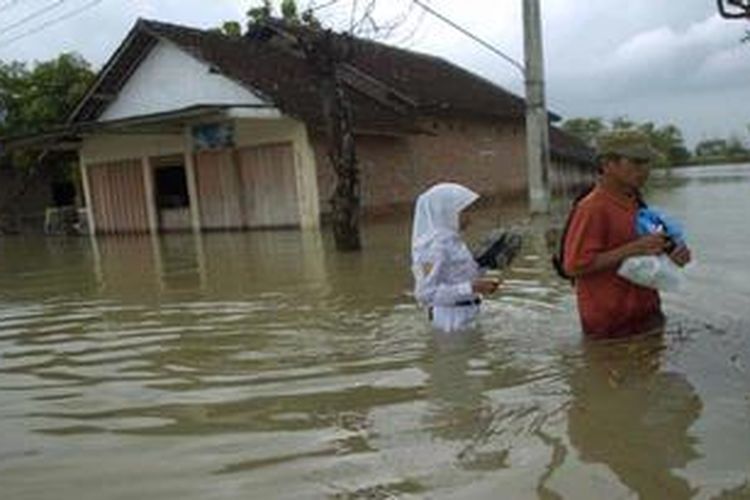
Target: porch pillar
column 306, row 177
column 87, row 197
column 192, row 184
column 148, row 184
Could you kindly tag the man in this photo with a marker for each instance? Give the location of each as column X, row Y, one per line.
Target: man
column 601, row 234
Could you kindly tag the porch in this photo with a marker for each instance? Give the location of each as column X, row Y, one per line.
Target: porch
column 209, row 168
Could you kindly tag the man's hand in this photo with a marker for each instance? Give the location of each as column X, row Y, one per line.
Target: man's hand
column 680, row 255
column 651, row 244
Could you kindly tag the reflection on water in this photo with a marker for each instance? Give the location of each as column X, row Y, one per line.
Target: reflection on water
column 634, row 417
column 265, row 365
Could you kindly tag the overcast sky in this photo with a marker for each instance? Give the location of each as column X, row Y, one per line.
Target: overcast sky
column 667, row 61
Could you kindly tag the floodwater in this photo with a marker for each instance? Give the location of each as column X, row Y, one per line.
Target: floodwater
column 264, row 365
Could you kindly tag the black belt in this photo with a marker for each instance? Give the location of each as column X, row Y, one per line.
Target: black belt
column 472, row 302
column 461, row 303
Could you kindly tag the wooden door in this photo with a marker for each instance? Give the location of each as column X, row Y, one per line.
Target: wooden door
column 269, row 186
column 118, row 196
column 218, row 190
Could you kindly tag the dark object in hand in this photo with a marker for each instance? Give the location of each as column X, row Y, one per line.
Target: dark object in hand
column 498, row 250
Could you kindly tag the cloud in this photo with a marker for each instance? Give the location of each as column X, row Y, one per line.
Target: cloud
column 659, row 60
column 705, row 55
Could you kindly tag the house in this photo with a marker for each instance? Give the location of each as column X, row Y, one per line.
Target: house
column 185, row 128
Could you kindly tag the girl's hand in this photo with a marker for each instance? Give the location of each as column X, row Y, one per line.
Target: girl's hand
column 485, row 286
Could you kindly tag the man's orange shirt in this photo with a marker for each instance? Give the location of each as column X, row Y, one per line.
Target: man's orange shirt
column 609, row 305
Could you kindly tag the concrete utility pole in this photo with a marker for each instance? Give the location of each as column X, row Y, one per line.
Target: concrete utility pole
column 537, row 127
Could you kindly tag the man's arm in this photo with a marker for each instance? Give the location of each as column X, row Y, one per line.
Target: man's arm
column 652, row 244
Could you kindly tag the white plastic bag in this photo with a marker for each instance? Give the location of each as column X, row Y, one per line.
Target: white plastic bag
column 653, row 271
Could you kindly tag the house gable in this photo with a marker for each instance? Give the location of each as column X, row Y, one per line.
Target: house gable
column 169, row 79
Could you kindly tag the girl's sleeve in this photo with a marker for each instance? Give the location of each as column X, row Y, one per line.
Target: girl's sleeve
column 432, row 288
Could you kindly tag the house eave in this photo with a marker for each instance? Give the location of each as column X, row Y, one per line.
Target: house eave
column 174, row 120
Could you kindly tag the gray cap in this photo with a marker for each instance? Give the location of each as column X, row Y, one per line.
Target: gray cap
column 631, row 144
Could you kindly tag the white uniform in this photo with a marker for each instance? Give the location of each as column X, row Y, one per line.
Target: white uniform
column 443, row 266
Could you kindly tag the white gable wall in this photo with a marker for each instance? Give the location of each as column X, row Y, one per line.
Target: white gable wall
column 170, row 79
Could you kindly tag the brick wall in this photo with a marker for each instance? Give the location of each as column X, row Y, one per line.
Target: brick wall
column 487, row 156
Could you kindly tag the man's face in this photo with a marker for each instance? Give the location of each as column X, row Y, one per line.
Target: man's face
column 628, row 172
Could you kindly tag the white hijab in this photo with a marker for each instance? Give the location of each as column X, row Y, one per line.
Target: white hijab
column 436, row 215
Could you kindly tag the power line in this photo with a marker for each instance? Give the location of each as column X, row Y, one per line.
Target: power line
column 466, row 32
column 36, row 13
column 7, row 5
column 49, row 23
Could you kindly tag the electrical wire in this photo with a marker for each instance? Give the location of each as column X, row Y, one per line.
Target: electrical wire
column 54, row 5
column 8, row 5
column 51, row 22
column 466, row 32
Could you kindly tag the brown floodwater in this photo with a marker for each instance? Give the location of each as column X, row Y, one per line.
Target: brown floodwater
column 265, row 365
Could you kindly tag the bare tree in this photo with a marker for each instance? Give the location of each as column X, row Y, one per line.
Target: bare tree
column 326, row 53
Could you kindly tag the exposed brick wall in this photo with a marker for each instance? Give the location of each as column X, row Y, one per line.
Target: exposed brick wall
column 387, row 171
column 487, row 156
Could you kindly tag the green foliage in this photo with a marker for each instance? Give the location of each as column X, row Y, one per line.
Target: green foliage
column 231, row 28
column 667, row 139
column 260, row 14
column 733, row 148
column 736, row 149
column 38, row 98
column 289, row 10
column 265, row 11
column 586, row 129
column 622, row 123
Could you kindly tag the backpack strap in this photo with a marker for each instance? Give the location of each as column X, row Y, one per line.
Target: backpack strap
column 558, row 258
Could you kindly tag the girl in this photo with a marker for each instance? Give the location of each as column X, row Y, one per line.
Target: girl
column 447, row 278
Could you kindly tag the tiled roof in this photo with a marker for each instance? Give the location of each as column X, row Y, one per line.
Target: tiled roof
column 417, row 85
column 433, row 85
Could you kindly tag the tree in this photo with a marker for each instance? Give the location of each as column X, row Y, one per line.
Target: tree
column 289, row 10
column 325, row 52
column 622, row 123
column 722, row 150
column 34, row 99
column 736, row 149
column 711, row 148
column 667, row 139
column 586, row 129
column 37, row 98
column 230, row 28
column 260, row 14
